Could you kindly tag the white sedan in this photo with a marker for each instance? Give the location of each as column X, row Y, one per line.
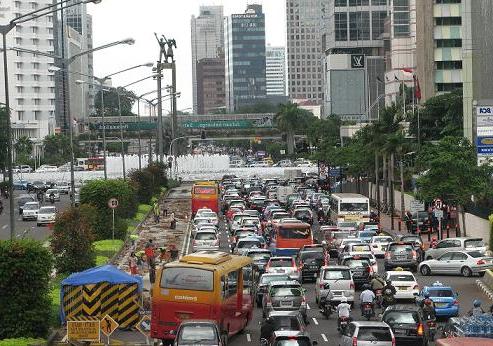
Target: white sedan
column 379, row 244
column 404, row 282
column 46, row 215
column 54, row 192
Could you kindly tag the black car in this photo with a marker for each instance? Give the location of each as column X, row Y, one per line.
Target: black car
column 360, row 268
column 408, row 324
column 304, row 215
column 310, row 260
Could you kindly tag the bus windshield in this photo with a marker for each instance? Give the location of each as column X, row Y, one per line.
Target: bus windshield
column 294, row 233
column 348, row 207
column 187, row 279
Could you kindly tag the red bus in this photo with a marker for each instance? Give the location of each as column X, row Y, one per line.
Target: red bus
column 289, row 238
column 204, row 285
column 205, row 194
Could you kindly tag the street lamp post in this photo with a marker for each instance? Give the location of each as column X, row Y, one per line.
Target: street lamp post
column 4, row 30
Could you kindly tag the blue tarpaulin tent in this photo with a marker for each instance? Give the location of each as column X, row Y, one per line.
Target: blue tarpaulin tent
column 102, row 274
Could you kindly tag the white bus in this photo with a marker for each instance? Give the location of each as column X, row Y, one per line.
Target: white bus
column 348, row 208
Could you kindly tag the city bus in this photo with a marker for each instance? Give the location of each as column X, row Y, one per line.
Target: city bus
column 205, row 194
column 288, row 238
column 349, row 208
column 203, row 285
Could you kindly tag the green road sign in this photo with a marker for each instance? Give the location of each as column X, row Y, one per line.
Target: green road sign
column 126, row 126
column 263, row 122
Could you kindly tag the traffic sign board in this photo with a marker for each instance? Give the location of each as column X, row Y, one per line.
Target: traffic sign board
column 416, row 206
column 144, row 325
column 83, row 330
column 108, row 325
column 113, row 203
column 438, row 213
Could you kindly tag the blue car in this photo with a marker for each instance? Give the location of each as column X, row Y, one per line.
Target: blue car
column 443, row 297
column 366, row 235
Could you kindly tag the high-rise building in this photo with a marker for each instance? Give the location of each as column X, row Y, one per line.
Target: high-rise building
column 245, row 58
column 31, row 84
column 73, row 35
column 210, row 85
column 305, row 21
column 207, row 31
column 275, row 71
column 354, row 64
column 453, row 51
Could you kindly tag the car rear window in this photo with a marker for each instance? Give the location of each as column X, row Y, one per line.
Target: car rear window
column 197, row 333
column 357, row 263
column 441, row 293
column 368, row 234
column 475, row 254
column 397, row 317
column 311, row 255
column 249, row 244
column 374, row 334
column 473, row 243
column 361, row 248
column 285, row 292
column 259, row 256
column 337, row 275
column 381, row 240
column 271, row 278
column 401, row 277
column 286, row 323
column 340, row 235
column 300, row 341
column 187, row 279
column 244, row 233
column 206, row 236
column 400, row 247
column 281, row 263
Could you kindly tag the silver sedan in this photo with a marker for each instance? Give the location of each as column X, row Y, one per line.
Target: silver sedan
column 464, row 263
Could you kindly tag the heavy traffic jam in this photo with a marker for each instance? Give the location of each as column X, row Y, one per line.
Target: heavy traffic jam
column 283, row 262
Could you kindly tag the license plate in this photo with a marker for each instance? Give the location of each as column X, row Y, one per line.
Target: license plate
column 402, row 288
column 337, row 293
column 400, row 332
column 313, row 267
column 441, row 305
column 286, row 304
column 280, row 271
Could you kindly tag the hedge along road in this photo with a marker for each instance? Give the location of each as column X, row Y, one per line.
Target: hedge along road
column 32, row 230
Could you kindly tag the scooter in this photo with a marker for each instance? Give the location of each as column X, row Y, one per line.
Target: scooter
column 432, row 326
column 326, row 304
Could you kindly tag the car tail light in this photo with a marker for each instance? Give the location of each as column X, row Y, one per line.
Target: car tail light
column 480, row 262
column 456, row 302
column 321, row 285
column 393, row 340
column 267, row 267
column 355, row 341
column 368, row 269
column 194, row 242
column 351, row 285
column 387, row 255
column 420, row 329
column 414, row 254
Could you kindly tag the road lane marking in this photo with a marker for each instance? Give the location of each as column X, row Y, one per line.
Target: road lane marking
column 315, row 321
column 308, row 306
column 324, row 337
column 4, row 226
column 249, row 338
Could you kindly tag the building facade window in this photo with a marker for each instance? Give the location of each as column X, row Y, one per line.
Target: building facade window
column 449, row 65
column 446, row 87
column 377, row 23
column 401, row 18
column 20, row 115
column 448, row 43
column 37, row 115
column 358, row 2
column 340, row 23
column 340, row 3
column 359, row 26
column 443, row 21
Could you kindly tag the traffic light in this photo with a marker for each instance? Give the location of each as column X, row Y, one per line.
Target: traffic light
column 203, row 134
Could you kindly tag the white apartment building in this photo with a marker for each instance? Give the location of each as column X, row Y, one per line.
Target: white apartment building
column 275, row 71
column 207, row 32
column 31, row 85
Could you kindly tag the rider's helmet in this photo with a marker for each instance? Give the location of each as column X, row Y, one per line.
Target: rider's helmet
column 366, row 287
column 476, row 303
column 427, row 295
column 344, row 299
column 428, row 302
column 388, row 282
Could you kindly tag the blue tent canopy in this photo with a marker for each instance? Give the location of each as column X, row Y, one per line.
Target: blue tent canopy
column 105, row 273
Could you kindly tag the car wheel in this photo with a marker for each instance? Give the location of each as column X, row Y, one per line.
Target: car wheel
column 481, row 274
column 425, row 270
column 39, row 225
column 466, row 271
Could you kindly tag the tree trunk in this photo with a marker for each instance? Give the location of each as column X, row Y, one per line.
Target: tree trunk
column 290, row 142
column 385, row 174
column 377, row 183
column 401, row 168
column 391, row 186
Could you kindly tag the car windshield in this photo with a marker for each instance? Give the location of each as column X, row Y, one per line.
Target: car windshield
column 197, row 334
column 398, row 317
column 401, row 277
column 344, row 207
column 374, row 334
column 293, row 342
column 285, row 292
column 382, row 240
column 337, row 275
column 473, row 243
column 286, row 323
column 249, row 244
column 29, row 206
column 206, row 236
column 441, row 293
column 271, row 278
column 279, row 263
column 47, row 210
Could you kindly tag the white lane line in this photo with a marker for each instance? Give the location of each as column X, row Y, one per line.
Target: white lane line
column 308, row 306
column 5, row 226
column 249, row 338
column 324, row 337
column 315, row 321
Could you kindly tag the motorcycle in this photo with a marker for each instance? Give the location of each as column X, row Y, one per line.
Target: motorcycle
column 326, row 304
column 432, row 326
column 378, row 297
column 388, row 298
column 343, row 323
column 367, row 310
column 52, row 199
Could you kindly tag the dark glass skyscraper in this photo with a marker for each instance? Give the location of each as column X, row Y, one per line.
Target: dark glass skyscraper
column 245, row 58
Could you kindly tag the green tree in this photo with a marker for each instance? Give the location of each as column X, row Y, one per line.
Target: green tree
column 23, row 149
column 25, row 268
column 440, row 116
column 72, row 239
column 57, row 149
column 450, row 172
column 291, row 120
column 127, row 99
column 3, row 138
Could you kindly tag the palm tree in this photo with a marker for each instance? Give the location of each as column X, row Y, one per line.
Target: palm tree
column 24, row 146
column 288, row 119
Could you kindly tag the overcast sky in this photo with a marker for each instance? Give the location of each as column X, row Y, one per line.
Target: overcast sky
column 118, row 19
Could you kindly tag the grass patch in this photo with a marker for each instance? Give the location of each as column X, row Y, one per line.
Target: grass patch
column 144, row 208
column 55, row 287
column 22, row 342
column 106, row 248
column 139, row 217
column 101, row 260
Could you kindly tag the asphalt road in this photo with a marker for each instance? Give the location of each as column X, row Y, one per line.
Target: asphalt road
column 27, row 229
column 325, row 331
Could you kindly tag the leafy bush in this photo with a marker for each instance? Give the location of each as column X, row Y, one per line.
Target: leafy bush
column 22, row 342
column 25, row 268
column 148, row 181
column 97, row 193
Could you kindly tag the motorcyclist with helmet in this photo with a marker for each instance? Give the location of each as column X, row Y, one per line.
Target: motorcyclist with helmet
column 367, row 297
column 477, row 310
column 433, row 243
column 377, row 284
column 343, row 312
column 389, row 293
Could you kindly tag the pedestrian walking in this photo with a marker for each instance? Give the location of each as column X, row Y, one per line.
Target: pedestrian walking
column 149, row 252
column 173, row 221
column 132, row 263
column 156, row 212
column 165, row 210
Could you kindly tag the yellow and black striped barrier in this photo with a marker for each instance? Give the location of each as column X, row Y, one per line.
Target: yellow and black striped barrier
column 120, row 301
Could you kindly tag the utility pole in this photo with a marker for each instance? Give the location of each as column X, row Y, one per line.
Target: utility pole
column 174, row 115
